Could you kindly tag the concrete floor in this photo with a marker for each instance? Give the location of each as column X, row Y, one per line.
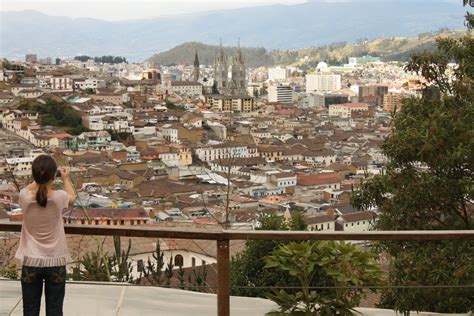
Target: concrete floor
column 104, row 299
column 89, row 299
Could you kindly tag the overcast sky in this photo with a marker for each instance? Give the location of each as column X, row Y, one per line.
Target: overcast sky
column 113, row 10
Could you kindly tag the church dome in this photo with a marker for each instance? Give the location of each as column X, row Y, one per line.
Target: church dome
column 322, row 65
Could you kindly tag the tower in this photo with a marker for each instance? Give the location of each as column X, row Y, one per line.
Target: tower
column 239, row 81
column 221, row 71
column 196, row 67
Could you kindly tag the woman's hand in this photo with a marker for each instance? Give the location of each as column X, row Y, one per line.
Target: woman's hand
column 64, row 173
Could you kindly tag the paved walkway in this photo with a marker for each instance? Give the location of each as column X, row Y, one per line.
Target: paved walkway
column 104, row 299
column 89, row 299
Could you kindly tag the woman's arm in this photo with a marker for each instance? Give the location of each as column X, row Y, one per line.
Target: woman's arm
column 68, row 185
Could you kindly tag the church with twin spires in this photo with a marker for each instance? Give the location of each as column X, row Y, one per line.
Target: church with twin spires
column 236, row 83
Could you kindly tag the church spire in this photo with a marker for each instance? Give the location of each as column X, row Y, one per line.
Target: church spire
column 239, row 58
column 196, row 67
column 196, row 59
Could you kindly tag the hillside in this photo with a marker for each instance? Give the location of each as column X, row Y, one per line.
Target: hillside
column 184, row 54
column 394, row 48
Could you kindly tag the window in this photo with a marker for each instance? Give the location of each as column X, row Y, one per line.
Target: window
column 352, row 224
column 96, row 222
column 179, row 260
column 115, row 222
column 193, row 261
column 122, row 222
column 203, row 262
column 108, row 222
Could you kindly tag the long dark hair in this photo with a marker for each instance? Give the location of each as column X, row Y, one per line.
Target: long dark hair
column 44, row 169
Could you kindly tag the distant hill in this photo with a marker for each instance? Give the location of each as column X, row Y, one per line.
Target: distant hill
column 275, row 27
column 184, row 54
column 394, row 48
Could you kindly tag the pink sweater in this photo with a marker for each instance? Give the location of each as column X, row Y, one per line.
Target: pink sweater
column 43, row 241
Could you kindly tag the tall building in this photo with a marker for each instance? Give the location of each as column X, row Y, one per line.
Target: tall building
column 280, row 93
column 393, row 102
column 372, row 94
column 278, row 73
column 196, row 68
column 236, row 84
column 323, row 82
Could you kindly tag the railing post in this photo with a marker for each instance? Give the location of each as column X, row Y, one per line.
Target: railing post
column 223, row 278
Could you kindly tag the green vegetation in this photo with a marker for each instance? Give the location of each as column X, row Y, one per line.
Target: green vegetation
column 247, row 268
column 124, row 137
column 171, row 106
column 428, row 183
column 184, row 54
column 117, row 267
column 88, row 91
column 325, row 263
column 54, row 113
column 394, row 48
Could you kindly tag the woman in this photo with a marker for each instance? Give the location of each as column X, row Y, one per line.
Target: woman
column 43, row 248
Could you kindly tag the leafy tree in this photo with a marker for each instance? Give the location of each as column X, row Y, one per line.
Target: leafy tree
column 89, row 91
column 428, row 182
column 124, row 137
column 54, row 113
column 247, row 267
column 324, row 263
column 78, row 130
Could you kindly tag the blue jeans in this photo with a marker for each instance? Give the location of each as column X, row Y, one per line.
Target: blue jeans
column 32, row 289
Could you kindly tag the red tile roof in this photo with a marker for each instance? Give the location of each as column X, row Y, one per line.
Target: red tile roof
column 318, row 179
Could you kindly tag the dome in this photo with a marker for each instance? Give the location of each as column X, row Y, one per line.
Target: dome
column 322, row 65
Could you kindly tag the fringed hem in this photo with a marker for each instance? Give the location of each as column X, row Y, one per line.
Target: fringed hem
column 44, row 262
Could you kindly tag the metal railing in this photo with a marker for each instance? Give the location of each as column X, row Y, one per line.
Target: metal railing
column 223, row 238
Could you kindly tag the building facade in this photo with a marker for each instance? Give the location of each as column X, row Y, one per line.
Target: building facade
column 323, row 82
column 280, row 93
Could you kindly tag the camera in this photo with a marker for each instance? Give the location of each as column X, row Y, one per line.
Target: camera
column 58, row 173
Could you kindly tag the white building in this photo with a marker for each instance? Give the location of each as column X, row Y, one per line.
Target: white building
column 61, row 83
column 20, row 166
column 90, row 83
column 284, row 179
column 226, row 151
column 348, row 110
column 358, row 221
column 280, row 93
column 323, row 82
column 278, row 73
column 184, row 87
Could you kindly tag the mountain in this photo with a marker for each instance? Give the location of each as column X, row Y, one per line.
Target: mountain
column 184, row 54
column 312, row 23
column 394, row 48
